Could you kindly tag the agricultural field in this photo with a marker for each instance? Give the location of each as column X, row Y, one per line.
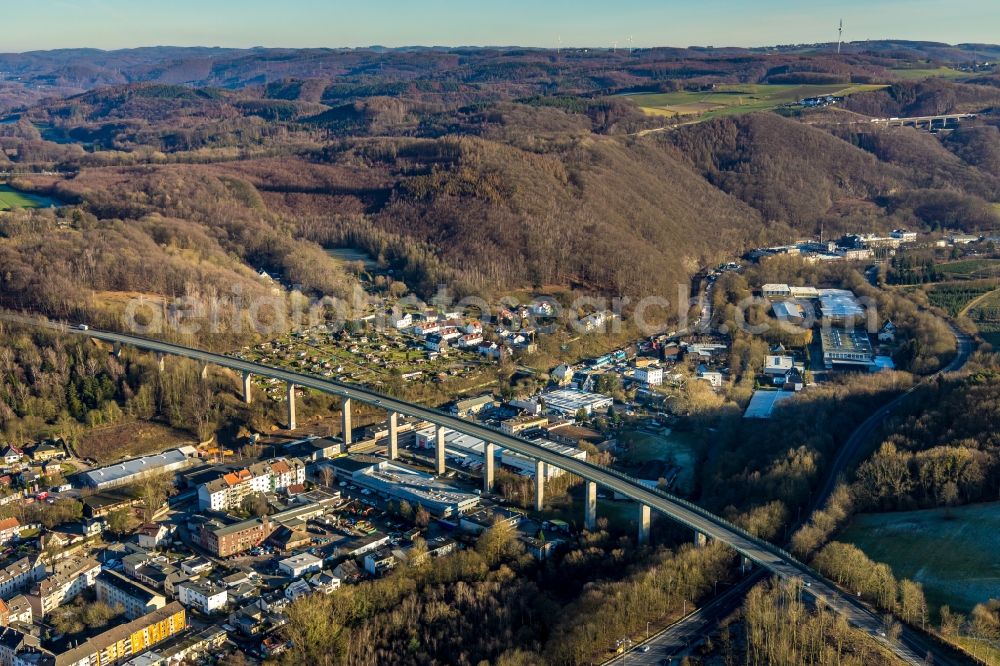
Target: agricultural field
column 970, row 269
column 952, row 552
column 955, row 297
column 916, row 74
column 737, row 99
column 11, row 198
column 985, row 311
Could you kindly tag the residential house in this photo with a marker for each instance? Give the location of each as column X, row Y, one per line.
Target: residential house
column 10, row 528
column 650, row 375
column 20, row 575
column 11, row 455
column 887, row 333
column 793, row 381
column 778, row 365
column 136, row 599
column 229, row 490
column 203, row 595
column 47, row 451
column 69, row 578
column 19, row 610
column 154, row 535
column 436, row 343
column 380, row 561
column 324, row 582
column 300, row 565
column 297, row 589
column 713, row 377
column 12, row 642
column 470, row 340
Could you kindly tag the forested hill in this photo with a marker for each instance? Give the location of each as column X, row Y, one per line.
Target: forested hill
column 484, row 170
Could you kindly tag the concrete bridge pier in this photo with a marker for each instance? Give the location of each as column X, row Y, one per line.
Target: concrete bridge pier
column 700, row 539
column 291, row 406
column 489, row 461
column 345, row 421
column 204, row 372
column 161, row 362
column 393, row 446
column 644, row 520
column 247, row 396
column 116, row 349
column 590, row 505
column 746, row 564
column 539, row 485
column 439, row 466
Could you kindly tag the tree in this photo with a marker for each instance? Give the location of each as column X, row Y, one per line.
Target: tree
column 421, row 518
column 153, row 491
column 912, row 604
column 496, row 542
column 327, row 476
column 120, row 521
column 256, row 504
column 405, row 510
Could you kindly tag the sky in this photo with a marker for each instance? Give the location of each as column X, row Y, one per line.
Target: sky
column 112, row 24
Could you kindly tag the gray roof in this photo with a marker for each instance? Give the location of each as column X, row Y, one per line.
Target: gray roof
column 136, row 466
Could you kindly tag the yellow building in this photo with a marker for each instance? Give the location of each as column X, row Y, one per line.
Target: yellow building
column 118, row 643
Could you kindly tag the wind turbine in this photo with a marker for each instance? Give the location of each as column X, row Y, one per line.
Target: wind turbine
column 840, row 35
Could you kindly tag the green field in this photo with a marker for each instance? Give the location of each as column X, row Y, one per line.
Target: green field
column 943, row 72
column 681, row 448
column 736, row 99
column 11, row 198
column 986, row 313
column 951, row 552
column 971, row 269
column 955, row 296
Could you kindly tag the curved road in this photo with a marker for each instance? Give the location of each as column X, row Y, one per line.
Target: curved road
column 852, row 448
column 765, row 554
column 675, row 640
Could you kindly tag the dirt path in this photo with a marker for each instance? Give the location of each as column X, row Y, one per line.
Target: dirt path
column 974, row 302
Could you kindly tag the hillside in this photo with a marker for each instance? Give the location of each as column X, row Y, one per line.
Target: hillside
column 473, row 168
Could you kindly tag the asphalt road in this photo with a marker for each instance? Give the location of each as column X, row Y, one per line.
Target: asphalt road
column 861, row 437
column 764, row 554
column 676, row 640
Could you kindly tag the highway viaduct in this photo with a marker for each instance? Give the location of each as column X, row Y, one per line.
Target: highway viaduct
column 705, row 524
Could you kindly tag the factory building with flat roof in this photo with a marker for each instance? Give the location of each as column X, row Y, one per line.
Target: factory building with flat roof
column 130, row 471
column 402, row 483
column 568, row 401
column 847, row 347
column 468, row 451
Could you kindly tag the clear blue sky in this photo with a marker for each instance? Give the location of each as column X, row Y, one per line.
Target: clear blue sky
column 109, row 24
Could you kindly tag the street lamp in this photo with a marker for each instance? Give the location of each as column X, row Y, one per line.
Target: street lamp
column 647, row 630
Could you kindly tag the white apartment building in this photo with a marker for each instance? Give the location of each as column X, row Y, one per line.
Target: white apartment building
column 19, row 575
column 231, row 488
column 69, row 578
column 202, row 595
column 651, row 375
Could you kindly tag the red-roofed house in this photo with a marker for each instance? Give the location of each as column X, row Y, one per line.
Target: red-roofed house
column 9, row 528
